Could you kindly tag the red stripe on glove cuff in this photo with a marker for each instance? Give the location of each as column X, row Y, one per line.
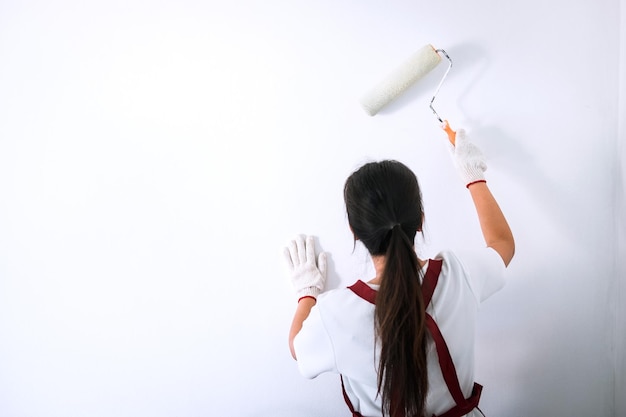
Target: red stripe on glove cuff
column 474, row 182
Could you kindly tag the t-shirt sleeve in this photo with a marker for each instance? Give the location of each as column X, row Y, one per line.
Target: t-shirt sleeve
column 313, row 347
column 485, row 271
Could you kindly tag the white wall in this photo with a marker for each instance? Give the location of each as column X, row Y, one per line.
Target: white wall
column 620, row 310
column 154, row 158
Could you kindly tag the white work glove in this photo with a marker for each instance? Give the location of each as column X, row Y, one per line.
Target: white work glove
column 307, row 277
column 468, row 159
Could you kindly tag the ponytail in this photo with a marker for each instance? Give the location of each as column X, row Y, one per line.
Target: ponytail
column 377, row 195
column 400, row 325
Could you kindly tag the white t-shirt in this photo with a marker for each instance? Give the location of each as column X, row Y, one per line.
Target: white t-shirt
column 339, row 335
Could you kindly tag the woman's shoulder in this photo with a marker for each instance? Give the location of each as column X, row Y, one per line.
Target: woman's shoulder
column 461, row 256
column 481, row 268
column 345, row 293
column 346, row 299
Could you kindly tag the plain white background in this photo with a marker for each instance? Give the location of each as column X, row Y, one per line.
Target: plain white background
column 620, row 350
column 156, row 156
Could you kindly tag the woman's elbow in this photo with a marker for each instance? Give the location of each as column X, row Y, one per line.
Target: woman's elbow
column 291, row 348
column 505, row 248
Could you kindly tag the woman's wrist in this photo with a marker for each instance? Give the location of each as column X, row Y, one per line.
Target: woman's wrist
column 475, row 182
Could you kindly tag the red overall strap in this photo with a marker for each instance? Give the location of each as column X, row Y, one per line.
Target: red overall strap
column 364, row 291
column 430, row 279
column 463, row 405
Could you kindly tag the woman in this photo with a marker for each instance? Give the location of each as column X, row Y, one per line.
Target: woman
column 404, row 341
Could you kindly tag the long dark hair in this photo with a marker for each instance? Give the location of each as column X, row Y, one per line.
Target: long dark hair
column 384, row 206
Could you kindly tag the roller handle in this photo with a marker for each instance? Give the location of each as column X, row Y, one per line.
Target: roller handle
column 451, row 133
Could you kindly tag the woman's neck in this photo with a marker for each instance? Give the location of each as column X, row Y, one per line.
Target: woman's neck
column 379, row 267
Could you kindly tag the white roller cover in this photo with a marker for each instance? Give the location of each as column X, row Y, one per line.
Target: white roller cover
column 403, row 77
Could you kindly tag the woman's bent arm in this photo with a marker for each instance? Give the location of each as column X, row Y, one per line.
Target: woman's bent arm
column 494, row 226
column 302, row 312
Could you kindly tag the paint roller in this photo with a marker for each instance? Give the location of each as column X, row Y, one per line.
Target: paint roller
column 403, row 77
